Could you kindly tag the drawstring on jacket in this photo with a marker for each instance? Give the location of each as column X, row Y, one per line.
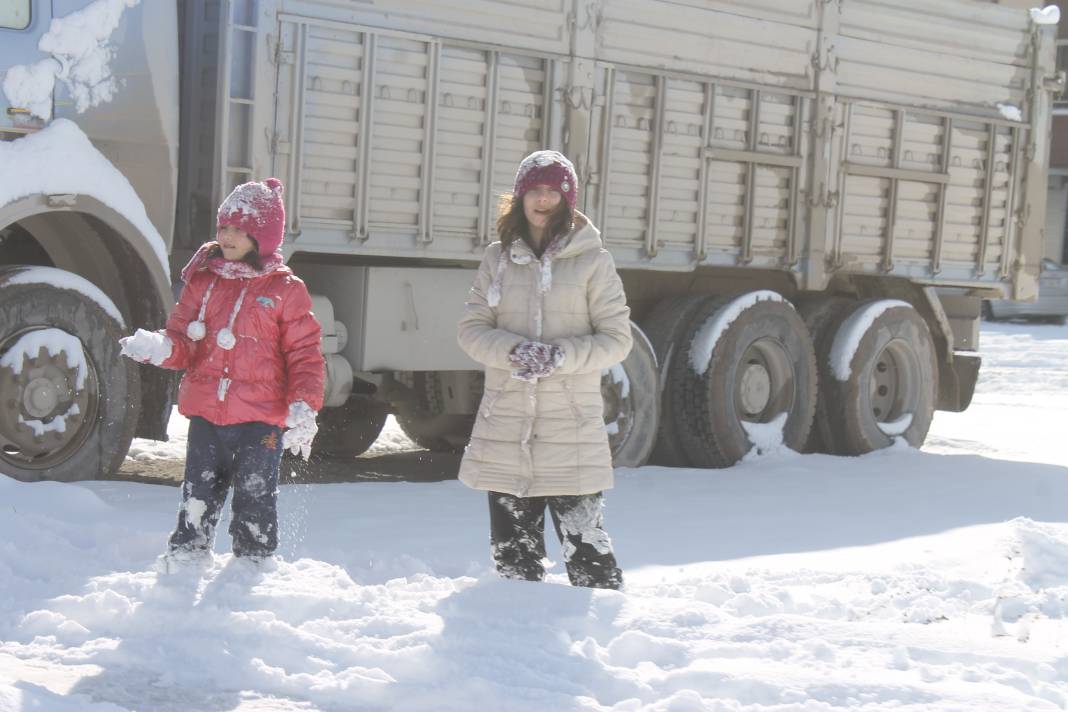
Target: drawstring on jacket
column 225, row 339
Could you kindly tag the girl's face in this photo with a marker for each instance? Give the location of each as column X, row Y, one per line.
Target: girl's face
column 539, row 204
column 235, row 243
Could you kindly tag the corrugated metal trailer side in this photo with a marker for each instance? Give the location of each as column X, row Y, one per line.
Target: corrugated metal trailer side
column 398, row 125
column 831, row 151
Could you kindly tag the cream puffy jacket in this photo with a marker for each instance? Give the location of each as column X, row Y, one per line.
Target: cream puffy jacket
column 548, row 437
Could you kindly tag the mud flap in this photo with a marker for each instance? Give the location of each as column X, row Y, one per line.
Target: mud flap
column 956, row 383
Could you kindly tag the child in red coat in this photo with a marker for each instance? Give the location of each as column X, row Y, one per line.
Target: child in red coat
column 244, row 333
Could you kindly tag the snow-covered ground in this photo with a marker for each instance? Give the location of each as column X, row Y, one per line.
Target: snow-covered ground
column 903, row 580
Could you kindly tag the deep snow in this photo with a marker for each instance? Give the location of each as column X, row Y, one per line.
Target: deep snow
column 905, row 580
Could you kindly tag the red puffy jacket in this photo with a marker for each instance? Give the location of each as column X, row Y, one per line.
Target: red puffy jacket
column 275, row 359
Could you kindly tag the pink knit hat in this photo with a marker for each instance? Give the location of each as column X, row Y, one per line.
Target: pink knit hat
column 549, row 168
column 256, row 208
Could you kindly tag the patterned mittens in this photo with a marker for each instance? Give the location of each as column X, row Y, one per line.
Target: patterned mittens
column 532, row 360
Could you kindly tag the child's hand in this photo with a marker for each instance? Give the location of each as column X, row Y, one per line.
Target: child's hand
column 151, row 347
column 302, row 429
column 532, row 360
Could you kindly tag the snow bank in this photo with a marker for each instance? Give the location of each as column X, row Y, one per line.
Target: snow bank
column 900, row 581
column 61, row 159
column 747, row 590
column 81, row 57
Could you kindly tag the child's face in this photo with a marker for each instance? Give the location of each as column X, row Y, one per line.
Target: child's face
column 539, row 204
column 235, row 243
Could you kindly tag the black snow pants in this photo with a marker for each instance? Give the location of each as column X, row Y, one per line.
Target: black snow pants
column 246, row 455
column 517, row 538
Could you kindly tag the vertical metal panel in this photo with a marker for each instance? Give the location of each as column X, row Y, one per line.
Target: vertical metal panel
column 891, row 208
column 940, row 218
column 746, row 255
column 546, row 102
column 1012, row 218
column 606, row 148
column 838, row 242
column 633, row 144
column 489, row 143
column 653, row 210
column 296, row 159
column 988, row 193
column 702, row 176
column 426, row 218
column 366, row 121
column 792, row 247
column 683, row 156
column 398, row 163
column 222, row 102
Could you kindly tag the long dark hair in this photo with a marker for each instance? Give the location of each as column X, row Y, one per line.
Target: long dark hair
column 512, row 222
column 252, row 257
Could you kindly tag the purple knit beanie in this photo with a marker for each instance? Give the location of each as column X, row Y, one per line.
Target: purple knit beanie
column 550, row 168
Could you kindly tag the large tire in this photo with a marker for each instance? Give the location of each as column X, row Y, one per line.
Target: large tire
column 762, row 365
column 893, row 376
column 62, row 442
column 348, row 430
column 631, row 405
column 662, row 325
column 432, row 428
column 822, row 315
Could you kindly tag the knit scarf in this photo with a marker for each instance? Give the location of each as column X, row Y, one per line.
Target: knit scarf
column 227, row 269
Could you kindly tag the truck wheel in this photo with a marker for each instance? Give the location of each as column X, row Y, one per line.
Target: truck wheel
column 892, row 381
column 758, row 364
column 435, row 429
column 662, row 326
column 348, row 430
column 631, row 406
column 69, row 402
column 822, row 316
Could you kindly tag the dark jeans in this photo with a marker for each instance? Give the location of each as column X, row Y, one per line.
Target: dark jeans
column 246, row 455
column 517, row 537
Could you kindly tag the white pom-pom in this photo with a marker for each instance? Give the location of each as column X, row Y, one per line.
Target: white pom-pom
column 195, row 330
column 225, row 339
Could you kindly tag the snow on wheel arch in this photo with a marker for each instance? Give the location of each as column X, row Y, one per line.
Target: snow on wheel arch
column 706, row 338
column 847, row 339
column 61, row 159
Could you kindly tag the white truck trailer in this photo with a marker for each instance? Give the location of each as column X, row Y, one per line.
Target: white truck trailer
column 806, row 199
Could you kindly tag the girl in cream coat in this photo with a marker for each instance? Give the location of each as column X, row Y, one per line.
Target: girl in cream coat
column 546, row 314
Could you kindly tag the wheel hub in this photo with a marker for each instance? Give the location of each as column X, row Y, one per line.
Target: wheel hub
column 31, row 434
column 892, row 391
column 40, row 398
column 755, row 388
column 764, row 385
